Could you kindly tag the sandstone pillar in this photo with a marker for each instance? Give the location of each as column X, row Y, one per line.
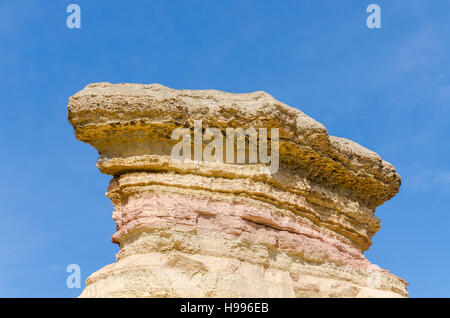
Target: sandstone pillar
column 203, row 229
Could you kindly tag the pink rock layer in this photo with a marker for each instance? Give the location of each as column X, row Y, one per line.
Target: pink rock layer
column 228, row 219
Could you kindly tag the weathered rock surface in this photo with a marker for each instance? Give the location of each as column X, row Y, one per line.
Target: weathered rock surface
column 202, row 229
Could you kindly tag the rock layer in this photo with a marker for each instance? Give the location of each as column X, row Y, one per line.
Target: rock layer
column 202, row 229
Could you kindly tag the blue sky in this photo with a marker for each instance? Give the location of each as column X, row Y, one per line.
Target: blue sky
column 387, row 89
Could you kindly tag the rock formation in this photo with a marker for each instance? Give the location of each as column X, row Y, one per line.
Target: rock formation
column 211, row 229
